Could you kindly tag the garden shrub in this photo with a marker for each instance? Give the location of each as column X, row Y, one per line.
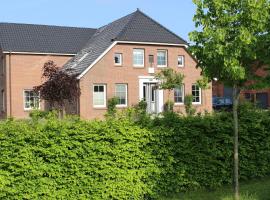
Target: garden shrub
column 197, row 151
column 123, row 158
column 74, row 159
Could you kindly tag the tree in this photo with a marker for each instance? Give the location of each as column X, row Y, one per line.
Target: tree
column 227, row 44
column 59, row 87
column 169, row 79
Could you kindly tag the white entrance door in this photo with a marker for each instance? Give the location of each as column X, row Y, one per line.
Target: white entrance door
column 150, row 95
column 149, row 92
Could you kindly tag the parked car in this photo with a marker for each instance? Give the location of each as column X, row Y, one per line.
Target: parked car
column 225, row 103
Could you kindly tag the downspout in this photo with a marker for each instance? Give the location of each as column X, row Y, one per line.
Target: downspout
column 9, row 71
column 78, row 99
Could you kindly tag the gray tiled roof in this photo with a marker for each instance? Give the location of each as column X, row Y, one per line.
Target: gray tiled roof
column 136, row 27
column 43, row 38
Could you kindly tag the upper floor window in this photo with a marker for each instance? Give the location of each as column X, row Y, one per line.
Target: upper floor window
column 118, row 59
column 31, row 100
column 138, row 57
column 121, row 94
column 196, row 93
column 162, row 58
column 181, row 61
column 179, row 95
column 99, row 95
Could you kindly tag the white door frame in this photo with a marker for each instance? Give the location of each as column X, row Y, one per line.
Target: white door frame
column 151, row 79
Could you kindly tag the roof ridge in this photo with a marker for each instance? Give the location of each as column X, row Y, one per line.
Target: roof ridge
column 126, row 26
column 60, row 26
column 161, row 26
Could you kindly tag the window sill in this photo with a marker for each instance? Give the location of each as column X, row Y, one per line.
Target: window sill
column 121, row 106
column 178, row 104
column 162, row 66
column 181, row 66
column 30, row 109
column 118, row 65
column 197, row 104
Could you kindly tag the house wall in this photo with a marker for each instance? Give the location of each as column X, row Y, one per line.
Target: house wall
column 107, row 73
column 24, row 72
column 2, row 86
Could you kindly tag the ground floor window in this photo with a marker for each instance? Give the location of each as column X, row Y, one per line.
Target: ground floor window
column 196, row 93
column 31, row 100
column 121, row 94
column 99, row 95
column 179, row 95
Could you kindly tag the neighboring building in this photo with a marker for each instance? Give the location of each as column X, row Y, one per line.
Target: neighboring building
column 119, row 59
column 259, row 97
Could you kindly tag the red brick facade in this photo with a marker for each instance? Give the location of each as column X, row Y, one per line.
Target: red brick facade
column 23, row 71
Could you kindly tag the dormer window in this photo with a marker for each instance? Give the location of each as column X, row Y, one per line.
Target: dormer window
column 118, row 59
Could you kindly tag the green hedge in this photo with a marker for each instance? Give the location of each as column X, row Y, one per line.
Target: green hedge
column 74, row 159
column 198, row 151
column 121, row 159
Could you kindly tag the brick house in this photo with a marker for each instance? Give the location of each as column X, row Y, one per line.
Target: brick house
column 119, row 59
column 259, row 97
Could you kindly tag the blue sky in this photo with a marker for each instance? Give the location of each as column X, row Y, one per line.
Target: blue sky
column 174, row 14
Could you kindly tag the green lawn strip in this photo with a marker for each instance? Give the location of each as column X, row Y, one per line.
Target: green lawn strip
column 253, row 190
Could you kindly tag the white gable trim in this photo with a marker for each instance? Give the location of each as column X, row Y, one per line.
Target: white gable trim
column 98, row 59
column 152, row 43
column 38, row 53
column 122, row 42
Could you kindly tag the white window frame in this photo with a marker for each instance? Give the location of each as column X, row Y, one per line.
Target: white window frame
column 166, row 58
column 183, row 96
column 121, row 59
column 200, row 93
column 126, row 91
column 138, row 50
column 183, row 60
column 24, row 98
column 104, row 98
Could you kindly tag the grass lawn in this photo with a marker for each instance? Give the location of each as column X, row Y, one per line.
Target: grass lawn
column 254, row 190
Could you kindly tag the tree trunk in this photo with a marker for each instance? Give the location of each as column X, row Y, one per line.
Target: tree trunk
column 236, row 94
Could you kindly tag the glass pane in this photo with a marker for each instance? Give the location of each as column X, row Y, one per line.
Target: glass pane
column 95, row 88
column 138, row 55
column 180, row 60
column 101, row 88
column 120, row 92
column 161, row 58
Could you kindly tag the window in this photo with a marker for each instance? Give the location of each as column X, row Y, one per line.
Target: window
column 179, row 95
column 138, row 57
column 151, row 59
column 118, row 59
column 31, row 100
column 162, row 58
column 196, row 93
column 181, row 61
column 121, row 94
column 99, row 95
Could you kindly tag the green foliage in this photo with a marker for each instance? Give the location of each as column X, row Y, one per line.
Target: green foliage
column 73, row 159
column 231, row 37
column 195, row 152
column 170, row 79
column 168, row 106
column 120, row 159
column 190, row 110
column 112, row 106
